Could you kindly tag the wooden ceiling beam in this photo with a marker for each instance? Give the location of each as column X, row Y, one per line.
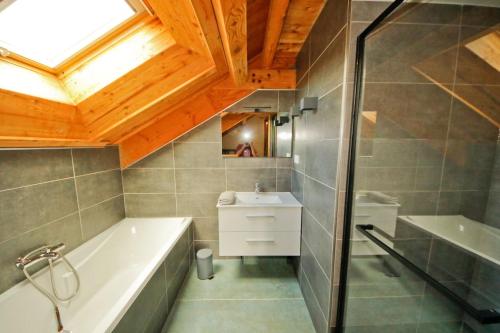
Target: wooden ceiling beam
column 275, row 21
column 169, row 104
column 232, row 22
column 208, row 21
column 181, row 20
column 34, row 117
column 34, row 142
column 299, row 21
column 129, row 99
column 151, row 112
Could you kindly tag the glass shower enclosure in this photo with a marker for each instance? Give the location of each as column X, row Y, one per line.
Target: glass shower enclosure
column 422, row 228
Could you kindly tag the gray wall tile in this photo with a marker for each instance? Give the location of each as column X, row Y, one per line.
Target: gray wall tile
column 25, row 167
column 148, row 181
column 319, row 240
column 27, row 208
column 200, row 180
column 206, row 228
column 150, row 205
column 198, row 155
column 331, row 20
column 98, row 218
column 320, row 283
column 197, row 204
column 88, row 160
column 328, row 71
column 322, row 158
column 298, row 185
column 320, row 201
column 244, row 179
column 97, row 187
column 324, row 123
column 283, row 180
column 319, row 321
column 162, row 158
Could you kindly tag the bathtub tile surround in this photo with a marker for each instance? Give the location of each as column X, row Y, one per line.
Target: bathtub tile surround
column 317, row 137
column 185, row 178
column 55, row 195
column 259, row 297
column 148, row 312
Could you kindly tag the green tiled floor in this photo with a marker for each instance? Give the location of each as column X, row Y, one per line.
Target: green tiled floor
column 263, row 297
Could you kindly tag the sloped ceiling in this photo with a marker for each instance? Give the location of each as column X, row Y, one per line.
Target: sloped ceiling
column 178, row 68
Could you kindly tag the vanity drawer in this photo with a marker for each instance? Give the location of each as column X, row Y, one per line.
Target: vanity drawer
column 283, row 243
column 260, row 219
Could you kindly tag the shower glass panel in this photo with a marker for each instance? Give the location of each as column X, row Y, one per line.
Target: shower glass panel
column 423, row 216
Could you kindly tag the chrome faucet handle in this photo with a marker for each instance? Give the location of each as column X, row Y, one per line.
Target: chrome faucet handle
column 41, row 253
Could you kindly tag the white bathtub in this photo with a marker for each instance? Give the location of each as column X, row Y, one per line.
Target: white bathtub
column 113, row 267
column 478, row 238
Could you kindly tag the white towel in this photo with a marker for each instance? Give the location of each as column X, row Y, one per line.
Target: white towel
column 382, row 197
column 227, row 198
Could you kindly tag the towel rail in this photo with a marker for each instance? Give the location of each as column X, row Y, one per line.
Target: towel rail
column 484, row 316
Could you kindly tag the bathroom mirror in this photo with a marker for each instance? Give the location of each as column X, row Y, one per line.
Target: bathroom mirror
column 259, row 125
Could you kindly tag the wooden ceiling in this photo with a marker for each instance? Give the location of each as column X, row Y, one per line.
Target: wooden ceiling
column 159, row 79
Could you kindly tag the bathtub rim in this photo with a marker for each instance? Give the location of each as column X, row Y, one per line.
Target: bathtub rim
column 112, row 316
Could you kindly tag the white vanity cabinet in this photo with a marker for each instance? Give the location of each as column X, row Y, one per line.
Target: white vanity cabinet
column 263, row 224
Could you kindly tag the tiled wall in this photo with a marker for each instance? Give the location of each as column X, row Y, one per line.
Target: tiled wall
column 429, row 150
column 317, row 135
column 150, row 309
column 55, row 195
column 493, row 205
column 186, row 177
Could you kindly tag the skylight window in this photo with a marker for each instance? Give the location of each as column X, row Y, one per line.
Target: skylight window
column 51, row 31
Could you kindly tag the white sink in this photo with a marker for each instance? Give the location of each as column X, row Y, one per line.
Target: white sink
column 249, row 198
column 271, row 199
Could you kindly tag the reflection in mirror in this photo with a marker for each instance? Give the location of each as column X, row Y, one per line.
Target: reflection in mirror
column 258, row 125
column 368, row 124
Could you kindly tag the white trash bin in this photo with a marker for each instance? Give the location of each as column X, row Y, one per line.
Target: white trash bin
column 204, row 264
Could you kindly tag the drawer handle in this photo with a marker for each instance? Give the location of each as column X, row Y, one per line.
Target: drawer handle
column 257, row 216
column 254, row 240
column 362, row 215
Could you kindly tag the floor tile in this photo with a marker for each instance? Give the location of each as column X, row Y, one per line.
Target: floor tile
column 259, row 296
column 234, row 280
column 270, row 316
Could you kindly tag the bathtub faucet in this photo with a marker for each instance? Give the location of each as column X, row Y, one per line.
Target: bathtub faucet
column 51, row 254
column 43, row 253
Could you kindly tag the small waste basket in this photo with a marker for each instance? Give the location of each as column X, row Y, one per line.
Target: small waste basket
column 204, row 264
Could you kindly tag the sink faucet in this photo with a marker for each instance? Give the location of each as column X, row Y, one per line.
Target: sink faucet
column 258, row 188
